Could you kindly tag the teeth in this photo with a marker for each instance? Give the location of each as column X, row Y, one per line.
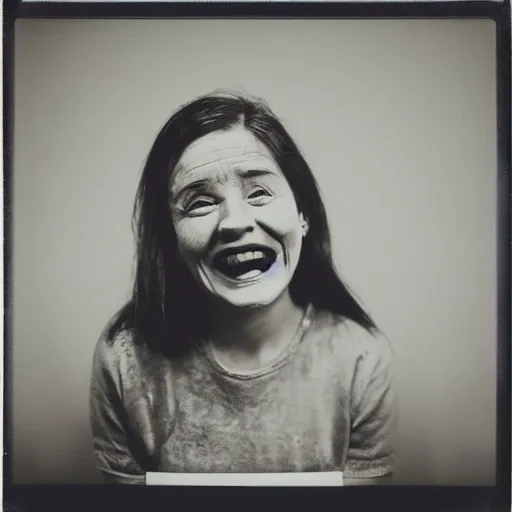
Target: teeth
column 244, row 256
column 250, row 255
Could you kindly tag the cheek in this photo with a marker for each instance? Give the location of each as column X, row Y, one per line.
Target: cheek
column 194, row 234
column 282, row 218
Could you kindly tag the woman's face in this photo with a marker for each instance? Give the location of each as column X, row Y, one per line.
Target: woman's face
column 236, row 220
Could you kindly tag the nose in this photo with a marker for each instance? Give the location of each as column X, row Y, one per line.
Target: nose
column 235, row 220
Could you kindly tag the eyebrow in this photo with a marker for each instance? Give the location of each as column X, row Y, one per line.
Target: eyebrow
column 254, row 173
column 201, row 183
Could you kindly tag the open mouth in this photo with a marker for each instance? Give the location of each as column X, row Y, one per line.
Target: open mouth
column 247, row 262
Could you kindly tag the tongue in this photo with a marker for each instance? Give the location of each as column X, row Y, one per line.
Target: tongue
column 251, row 274
column 245, row 269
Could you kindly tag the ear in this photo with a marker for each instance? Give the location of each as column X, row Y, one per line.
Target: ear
column 304, row 223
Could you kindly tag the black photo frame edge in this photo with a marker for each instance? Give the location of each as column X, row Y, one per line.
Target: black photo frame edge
column 413, row 498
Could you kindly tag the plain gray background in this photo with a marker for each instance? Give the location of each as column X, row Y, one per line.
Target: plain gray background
column 398, row 122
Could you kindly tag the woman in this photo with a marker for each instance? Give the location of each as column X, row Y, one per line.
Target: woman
column 240, row 349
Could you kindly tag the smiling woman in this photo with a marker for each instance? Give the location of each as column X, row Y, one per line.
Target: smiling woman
column 240, row 350
column 229, row 190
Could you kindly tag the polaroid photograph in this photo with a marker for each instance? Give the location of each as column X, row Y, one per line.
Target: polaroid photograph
column 258, row 252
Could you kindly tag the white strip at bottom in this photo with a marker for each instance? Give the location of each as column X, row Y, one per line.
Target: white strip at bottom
column 319, row 479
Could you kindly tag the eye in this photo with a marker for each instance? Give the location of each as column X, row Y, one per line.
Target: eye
column 201, row 205
column 259, row 196
column 258, row 193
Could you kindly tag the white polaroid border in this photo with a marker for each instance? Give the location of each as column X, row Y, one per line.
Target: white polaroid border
column 317, row 479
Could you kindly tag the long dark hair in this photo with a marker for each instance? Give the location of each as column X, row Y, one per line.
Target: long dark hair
column 167, row 307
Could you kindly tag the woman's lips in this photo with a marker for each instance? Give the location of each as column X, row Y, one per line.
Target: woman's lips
column 244, row 263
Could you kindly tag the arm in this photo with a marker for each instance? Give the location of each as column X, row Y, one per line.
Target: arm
column 373, row 418
column 111, row 440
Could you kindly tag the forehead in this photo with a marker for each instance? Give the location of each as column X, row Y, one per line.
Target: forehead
column 237, row 145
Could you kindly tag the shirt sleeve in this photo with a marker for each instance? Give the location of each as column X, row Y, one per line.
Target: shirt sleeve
column 373, row 413
column 110, row 432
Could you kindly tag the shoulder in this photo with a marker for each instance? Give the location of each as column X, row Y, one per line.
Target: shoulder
column 353, row 344
column 111, row 349
column 120, row 358
column 353, row 337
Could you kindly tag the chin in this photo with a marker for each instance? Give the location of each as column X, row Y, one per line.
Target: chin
column 259, row 294
column 249, row 299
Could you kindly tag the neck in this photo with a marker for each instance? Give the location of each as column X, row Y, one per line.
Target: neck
column 253, row 330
